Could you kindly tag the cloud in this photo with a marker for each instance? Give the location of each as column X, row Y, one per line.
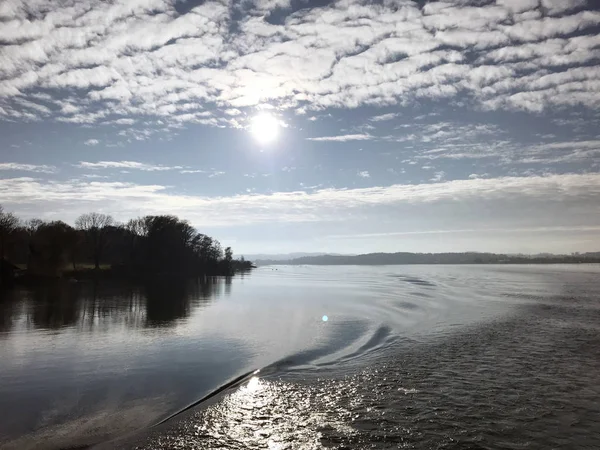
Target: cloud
column 560, row 6
column 507, row 152
column 542, row 196
column 541, row 229
column 100, row 61
column 438, row 176
column 122, row 121
column 559, row 152
column 518, row 5
column 448, row 132
column 364, row 174
column 475, row 176
column 134, row 165
column 192, row 171
column 127, row 166
column 384, row 117
column 27, row 167
column 342, row 138
column 91, row 142
column 93, row 176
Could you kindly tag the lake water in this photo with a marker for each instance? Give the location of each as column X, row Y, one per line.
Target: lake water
column 409, row 357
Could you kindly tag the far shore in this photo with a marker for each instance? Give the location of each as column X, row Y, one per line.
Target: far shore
column 405, row 258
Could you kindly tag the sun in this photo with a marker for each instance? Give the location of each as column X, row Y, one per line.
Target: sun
column 265, row 128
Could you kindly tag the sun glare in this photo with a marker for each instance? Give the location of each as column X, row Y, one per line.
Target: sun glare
column 265, row 128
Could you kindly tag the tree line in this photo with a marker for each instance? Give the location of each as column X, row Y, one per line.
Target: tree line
column 162, row 244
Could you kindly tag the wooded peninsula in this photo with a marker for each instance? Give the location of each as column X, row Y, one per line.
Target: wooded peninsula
column 97, row 245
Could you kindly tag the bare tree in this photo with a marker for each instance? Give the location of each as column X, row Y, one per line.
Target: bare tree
column 32, row 225
column 8, row 224
column 136, row 229
column 95, row 226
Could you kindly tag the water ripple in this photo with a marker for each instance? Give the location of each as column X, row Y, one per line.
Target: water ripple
column 530, row 381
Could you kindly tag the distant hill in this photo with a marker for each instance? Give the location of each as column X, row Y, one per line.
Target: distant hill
column 432, row 258
column 284, row 256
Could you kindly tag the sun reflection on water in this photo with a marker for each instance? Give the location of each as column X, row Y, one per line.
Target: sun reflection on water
column 253, row 385
column 266, row 414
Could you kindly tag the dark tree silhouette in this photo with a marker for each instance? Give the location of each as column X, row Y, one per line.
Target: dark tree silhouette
column 135, row 230
column 173, row 245
column 51, row 247
column 228, row 255
column 141, row 248
column 32, row 225
column 8, row 225
column 95, row 225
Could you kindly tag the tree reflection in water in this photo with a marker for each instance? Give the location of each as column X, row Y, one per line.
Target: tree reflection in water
column 102, row 306
column 54, row 307
column 8, row 310
column 168, row 302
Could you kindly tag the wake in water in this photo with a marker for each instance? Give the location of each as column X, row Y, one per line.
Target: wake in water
column 521, row 382
column 525, row 380
column 293, row 365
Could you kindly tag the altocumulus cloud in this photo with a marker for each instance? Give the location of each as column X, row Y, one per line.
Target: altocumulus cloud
column 27, row 167
column 342, row 138
column 135, row 165
column 112, row 61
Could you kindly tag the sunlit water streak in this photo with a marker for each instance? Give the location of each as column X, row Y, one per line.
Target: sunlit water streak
column 410, row 357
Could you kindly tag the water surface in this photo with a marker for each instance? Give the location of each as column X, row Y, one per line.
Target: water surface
column 410, row 356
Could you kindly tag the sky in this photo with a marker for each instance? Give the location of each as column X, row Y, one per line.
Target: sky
column 279, row 126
